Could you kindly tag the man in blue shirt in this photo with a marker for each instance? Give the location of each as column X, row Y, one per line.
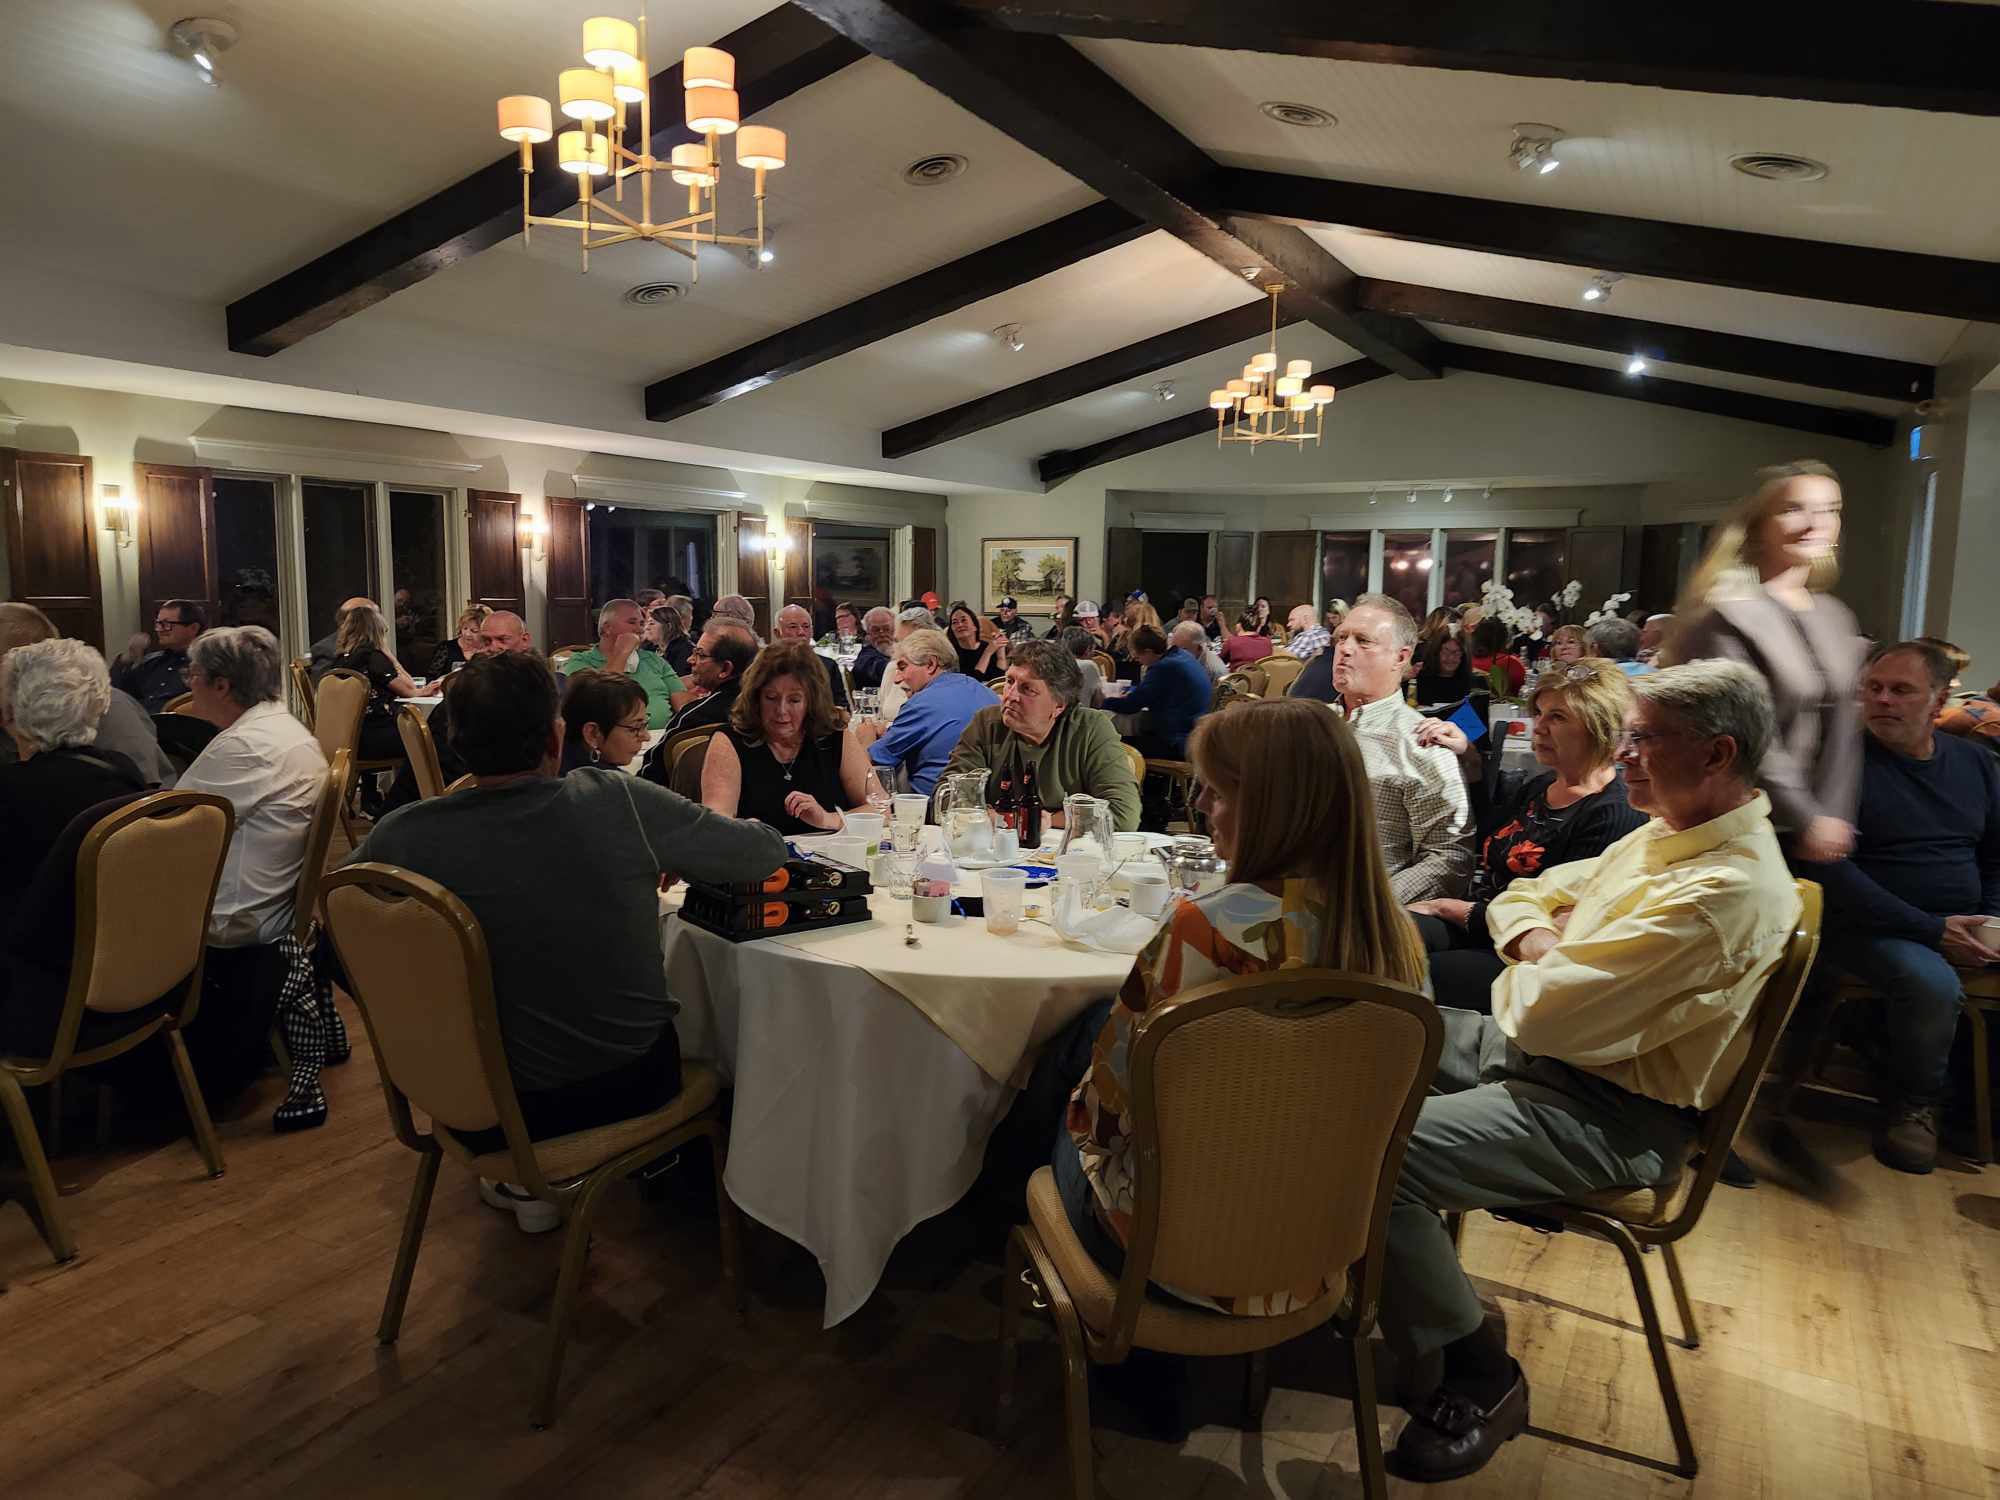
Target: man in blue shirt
column 1177, row 692
column 1907, row 912
column 942, row 702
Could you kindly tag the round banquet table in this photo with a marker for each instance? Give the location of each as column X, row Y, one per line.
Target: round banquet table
column 868, row 1075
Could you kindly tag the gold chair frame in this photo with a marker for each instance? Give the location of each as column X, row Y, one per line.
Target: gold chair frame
column 415, row 731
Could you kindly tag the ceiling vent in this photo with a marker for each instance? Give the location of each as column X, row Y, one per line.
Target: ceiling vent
column 1306, row 116
column 929, row 171
column 1778, row 166
column 653, row 293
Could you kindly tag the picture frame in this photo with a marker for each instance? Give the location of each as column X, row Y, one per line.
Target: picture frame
column 1036, row 571
column 851, row 569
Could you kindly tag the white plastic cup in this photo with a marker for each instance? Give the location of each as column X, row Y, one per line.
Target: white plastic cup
column 1003, row 891
column 1150, row 889
column 1006, row 844
column 867, row 827
column 846, row 851
column 907, row 812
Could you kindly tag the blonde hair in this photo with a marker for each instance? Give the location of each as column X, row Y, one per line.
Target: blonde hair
column 1734, row 549
column 797, row 660
column 360, row 625
column 471, row 618
column 1294, row 773
column 1599, row 700
column 1569, row 633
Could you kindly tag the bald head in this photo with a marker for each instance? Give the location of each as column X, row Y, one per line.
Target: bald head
column 23, row 625
column 503, row 630
column 1301, row 618
column 794, row 623
column 735, row 607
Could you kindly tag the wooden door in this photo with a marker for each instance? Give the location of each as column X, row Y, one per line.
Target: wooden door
column 176, row 539
column 1287, row 562
column 52, row 542
column 494, row 553
column 923, row 562
column 799, row 568
column 1231, row 585
column 1124, row 560
column 570, row 617
column 753, row 567
column 1596, row 557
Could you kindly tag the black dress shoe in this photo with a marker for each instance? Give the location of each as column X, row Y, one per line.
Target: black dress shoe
column 1450, row 1436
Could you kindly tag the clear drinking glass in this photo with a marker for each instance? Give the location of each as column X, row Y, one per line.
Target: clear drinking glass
column 909, row 810
column 875, row 792
column 1003, row 892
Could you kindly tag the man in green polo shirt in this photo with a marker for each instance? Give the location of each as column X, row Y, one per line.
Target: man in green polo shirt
column 619, row 625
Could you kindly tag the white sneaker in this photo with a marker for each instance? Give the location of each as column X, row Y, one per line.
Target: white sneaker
column 531, row 1213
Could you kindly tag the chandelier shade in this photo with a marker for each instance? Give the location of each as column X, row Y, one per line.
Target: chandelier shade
column 584, row 155
column 525, row 117
column 712, row 111
column 628, row 82
column 760, row 147
column 1266, row 407
column 691, row 166
column 609, row 41
column 707, row 68
column 586, row 94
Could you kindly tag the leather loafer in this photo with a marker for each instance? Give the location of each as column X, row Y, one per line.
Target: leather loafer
column 1450, row 1436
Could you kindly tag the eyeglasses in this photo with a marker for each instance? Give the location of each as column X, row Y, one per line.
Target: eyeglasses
column 1638, row 739
column 638, row 728
column 697, row 654
column 168, row 624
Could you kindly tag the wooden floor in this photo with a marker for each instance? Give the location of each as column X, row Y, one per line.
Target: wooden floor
column 216, row 1338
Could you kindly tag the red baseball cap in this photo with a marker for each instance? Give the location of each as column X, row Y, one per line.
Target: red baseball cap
column 930, row 597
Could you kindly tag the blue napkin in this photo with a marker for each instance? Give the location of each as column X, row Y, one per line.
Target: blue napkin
column 1468, row 718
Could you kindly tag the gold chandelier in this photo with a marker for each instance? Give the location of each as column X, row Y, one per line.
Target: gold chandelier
column 1266, row 407
column 597, row 97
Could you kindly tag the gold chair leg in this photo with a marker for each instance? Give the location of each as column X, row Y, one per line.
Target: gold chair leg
column 1690, row 1334
column 1982, row 1083
column 406, row 1252
column 1013, row 1291
column 54, row 1144
column 1076, row 1394
column 576, row 1249
column 1656, row 1340
column 197, row 1109
column 729, row 1225
column 54, row 1232
column 1367, row 1422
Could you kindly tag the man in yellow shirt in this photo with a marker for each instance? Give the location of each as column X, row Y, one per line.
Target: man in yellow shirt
column 1623, row 1012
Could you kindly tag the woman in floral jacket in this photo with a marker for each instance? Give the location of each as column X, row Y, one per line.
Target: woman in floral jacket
column 1573, row 809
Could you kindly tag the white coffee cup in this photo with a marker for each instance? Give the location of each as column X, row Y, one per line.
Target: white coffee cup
column 1149, row 887
column 1989, row 932
column 1006, row 844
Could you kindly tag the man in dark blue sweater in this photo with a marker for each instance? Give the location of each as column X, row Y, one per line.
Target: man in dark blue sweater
column 1908, row 909
column 1177, row 692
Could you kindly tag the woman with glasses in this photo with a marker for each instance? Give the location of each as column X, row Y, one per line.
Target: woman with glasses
column 604, row 721
column 1573, row 808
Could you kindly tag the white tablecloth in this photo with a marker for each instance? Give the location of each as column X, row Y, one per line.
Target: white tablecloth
column 855, row 1117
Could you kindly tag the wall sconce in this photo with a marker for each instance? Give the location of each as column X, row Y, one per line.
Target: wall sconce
column 535, row 533
column 120, row 514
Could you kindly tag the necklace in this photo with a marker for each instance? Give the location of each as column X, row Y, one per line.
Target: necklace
column 786, row 765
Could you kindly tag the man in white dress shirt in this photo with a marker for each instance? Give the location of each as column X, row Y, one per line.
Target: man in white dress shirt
column 1422, row 814
column 270, row 769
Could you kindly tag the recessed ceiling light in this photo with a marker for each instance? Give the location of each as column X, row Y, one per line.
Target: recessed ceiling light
column 929, row 171
column 1778, row 166
column 1534, row 148
column 1305, row 116
column 1636, row 365
column 1010, row 335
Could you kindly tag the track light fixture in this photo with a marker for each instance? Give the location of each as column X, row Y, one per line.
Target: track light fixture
column 1600, row 286
column 1534, row 148
column 1163, row 391
column 1447, row 497
column 1636, row 365
column 1010, row 335
column 201, row 40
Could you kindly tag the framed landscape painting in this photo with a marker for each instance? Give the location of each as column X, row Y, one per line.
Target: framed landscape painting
column 1037, row 571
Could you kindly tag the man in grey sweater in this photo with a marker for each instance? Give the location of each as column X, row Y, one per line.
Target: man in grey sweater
column 563, row 874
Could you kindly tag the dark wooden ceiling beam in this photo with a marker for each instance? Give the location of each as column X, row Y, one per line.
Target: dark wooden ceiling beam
column 944, row 289
column 1858, row 274
column 1922, row 55
column 1827, row 421
column 777, row 55
column 1048, row 96
column 1054, row 468
column 1083, row 379
column 1666, row 343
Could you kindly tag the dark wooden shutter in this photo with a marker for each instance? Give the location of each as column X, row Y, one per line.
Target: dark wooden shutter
column 1123, row 562
column 570, row 619
column 799, row 563
column 753, row 567
column 1286, row 564
column 1232, row 573
column 1596, row 556
column 494, row 551
column 52, row 542
column 923, row 562
column 176, row 539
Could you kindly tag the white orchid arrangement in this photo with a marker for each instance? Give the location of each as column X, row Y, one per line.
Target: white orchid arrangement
column 1609, row 610
column 1497, row 602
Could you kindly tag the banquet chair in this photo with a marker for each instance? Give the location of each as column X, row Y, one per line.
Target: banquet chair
column 1269, row 1116
column 312, row 872
column 563, row 653
column 143, row 887
column 180, row 705
column 467, row 780
column 302, row 690
column 1280, row 672
column 1233, row 687
column 1107, row 669
column 687, row 748
column 420, row 975
column 1635, row 1219
column 341, row 700
column 415, row 732
column 1253, row 673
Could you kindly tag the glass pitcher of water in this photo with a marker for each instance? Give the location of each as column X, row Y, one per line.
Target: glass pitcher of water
column 961, row 811
column 1087, row 828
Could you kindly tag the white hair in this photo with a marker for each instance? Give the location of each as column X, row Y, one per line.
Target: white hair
column 612, row 607
column 1716, row 698
column 880, row 612
column 1189, row 635
column 928, row 647
column 244, row 660
column 795, row 609
column 55, row 692
column 1401, row 621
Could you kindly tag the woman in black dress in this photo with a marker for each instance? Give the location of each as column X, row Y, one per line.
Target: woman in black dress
column 1446, row 675
column 462, row 647
column 360, row 644
column 786, row 757
column 982, row 649
column 1573, row 809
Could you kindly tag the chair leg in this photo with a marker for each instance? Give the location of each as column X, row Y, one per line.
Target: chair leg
column 576, row 1249
column 197, row 1110
column 1076, row 1394
column 55, row 1098
column 54, row 1232
column 1656, row 1342
column 729, row 1225
column 406, row 1252
column 1367, row 1422
column 1013, row 1292
column 1982, row 1083
column 1690, row 1334
column 1256, row 1389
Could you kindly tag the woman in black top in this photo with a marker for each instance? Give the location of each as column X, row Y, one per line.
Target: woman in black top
column 604, row 721
column 786, row 757
column 1573, row 809
column 982, row 649
column 462, row 647
column 360, row 645
column 1446, row 675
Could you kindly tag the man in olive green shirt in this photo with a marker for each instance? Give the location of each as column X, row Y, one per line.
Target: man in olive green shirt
column 1040, row 724
column 619, row 625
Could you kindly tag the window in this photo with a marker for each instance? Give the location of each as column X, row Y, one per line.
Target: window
column 246, row 553
column 1406, row 570
column 338, row 565
column 421, row 613
column 634, row 549
column 1534, row 566
column 1343, row 565
column 1917, row 573
column 1468, row 564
